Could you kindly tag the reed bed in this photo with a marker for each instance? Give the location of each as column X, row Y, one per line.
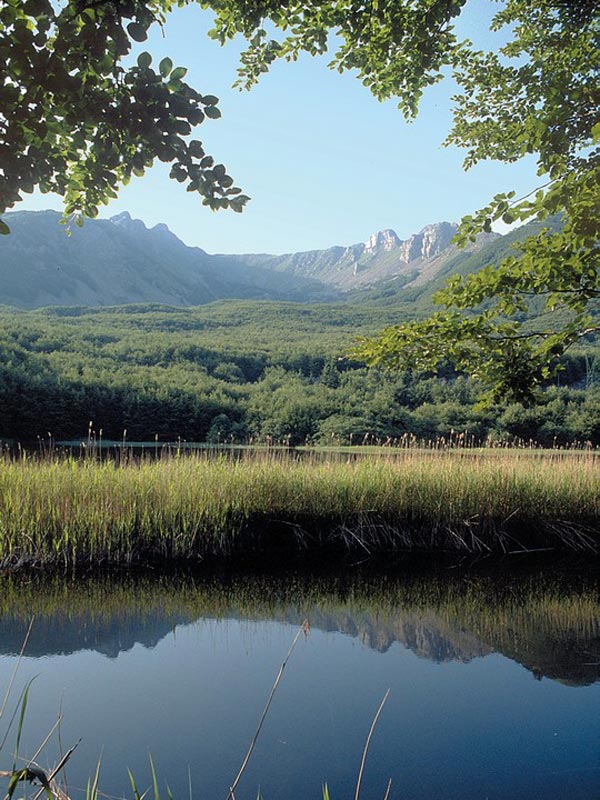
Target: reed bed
column 71, row 511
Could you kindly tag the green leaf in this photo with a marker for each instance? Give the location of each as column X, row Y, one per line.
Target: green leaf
column 91, row 792
column 212, row 112
column 144, row 60
column 195, row 149
column 22, row 719
column 195, row 116
column 165, row 66
column 137, row 32
column 154, row 780
column 4, row 229
column 16, row 776
column 178, row 73
column 134, row 788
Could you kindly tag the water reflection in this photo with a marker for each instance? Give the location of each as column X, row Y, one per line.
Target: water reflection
column 547, row 621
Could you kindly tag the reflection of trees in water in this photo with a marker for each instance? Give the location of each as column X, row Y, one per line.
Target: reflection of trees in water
column 548, row 622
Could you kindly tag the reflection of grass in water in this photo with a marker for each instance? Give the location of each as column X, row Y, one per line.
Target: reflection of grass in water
column 67, row 511
column 536, row 608
column 490, row 607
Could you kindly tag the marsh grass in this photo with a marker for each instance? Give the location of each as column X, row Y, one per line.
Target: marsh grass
column 62, row 510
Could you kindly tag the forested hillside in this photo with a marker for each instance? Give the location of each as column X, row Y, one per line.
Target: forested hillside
column 240, row 370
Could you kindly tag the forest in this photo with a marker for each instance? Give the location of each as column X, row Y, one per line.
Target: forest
column 248, row 371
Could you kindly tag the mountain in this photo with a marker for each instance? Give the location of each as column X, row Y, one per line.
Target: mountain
column 383, row 257
column 416, row 294
column 120, row 261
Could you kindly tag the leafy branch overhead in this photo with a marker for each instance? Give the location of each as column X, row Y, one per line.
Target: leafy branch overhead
column 74, row 120
column 538, row 94
column 396, row 47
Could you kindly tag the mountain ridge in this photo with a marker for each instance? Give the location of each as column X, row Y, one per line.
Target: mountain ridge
column 383, row 256
column 120, row 261
column 115, row 262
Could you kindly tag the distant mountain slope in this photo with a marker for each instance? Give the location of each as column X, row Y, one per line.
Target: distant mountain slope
column 418, row 292
column 383, row 257
column 119, row 261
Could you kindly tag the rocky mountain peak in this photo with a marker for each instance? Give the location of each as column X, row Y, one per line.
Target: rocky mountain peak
column 165, row 234
column 161, row 228
column 121, row 219
column 126, row 221
column 429, row 242
column 386, row 239
column 121, row 260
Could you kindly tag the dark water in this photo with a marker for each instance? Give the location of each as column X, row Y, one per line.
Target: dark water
column 494, row 682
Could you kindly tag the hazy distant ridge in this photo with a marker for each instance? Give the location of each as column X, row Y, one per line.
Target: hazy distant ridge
column 121, row 261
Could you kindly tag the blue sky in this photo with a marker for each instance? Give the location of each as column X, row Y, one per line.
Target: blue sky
column 323, row 161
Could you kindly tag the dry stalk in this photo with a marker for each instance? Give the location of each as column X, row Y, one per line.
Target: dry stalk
column 32, row 772
column 15, row 670
column 304, row 628
column 367, row 743
column 56, row 790
column 45, row 741
column 387, row 791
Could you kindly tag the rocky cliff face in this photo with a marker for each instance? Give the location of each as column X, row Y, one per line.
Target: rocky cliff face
column 429, row 242
column 383, row 257
column 116, row 261
column 383, row 240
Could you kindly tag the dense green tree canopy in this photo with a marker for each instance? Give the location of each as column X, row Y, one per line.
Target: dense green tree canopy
column 255, row 371
column 75, row 120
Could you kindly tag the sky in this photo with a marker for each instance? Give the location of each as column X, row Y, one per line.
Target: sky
column 323, row 162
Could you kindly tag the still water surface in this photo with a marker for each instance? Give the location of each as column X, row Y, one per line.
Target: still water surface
column 494, row 682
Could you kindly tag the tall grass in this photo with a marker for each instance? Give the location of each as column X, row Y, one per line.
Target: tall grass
column 70, row 511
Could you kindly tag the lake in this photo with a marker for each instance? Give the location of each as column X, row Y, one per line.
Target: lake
column 493, row 677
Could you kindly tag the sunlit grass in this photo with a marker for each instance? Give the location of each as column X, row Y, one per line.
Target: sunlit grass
column 68, row 511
